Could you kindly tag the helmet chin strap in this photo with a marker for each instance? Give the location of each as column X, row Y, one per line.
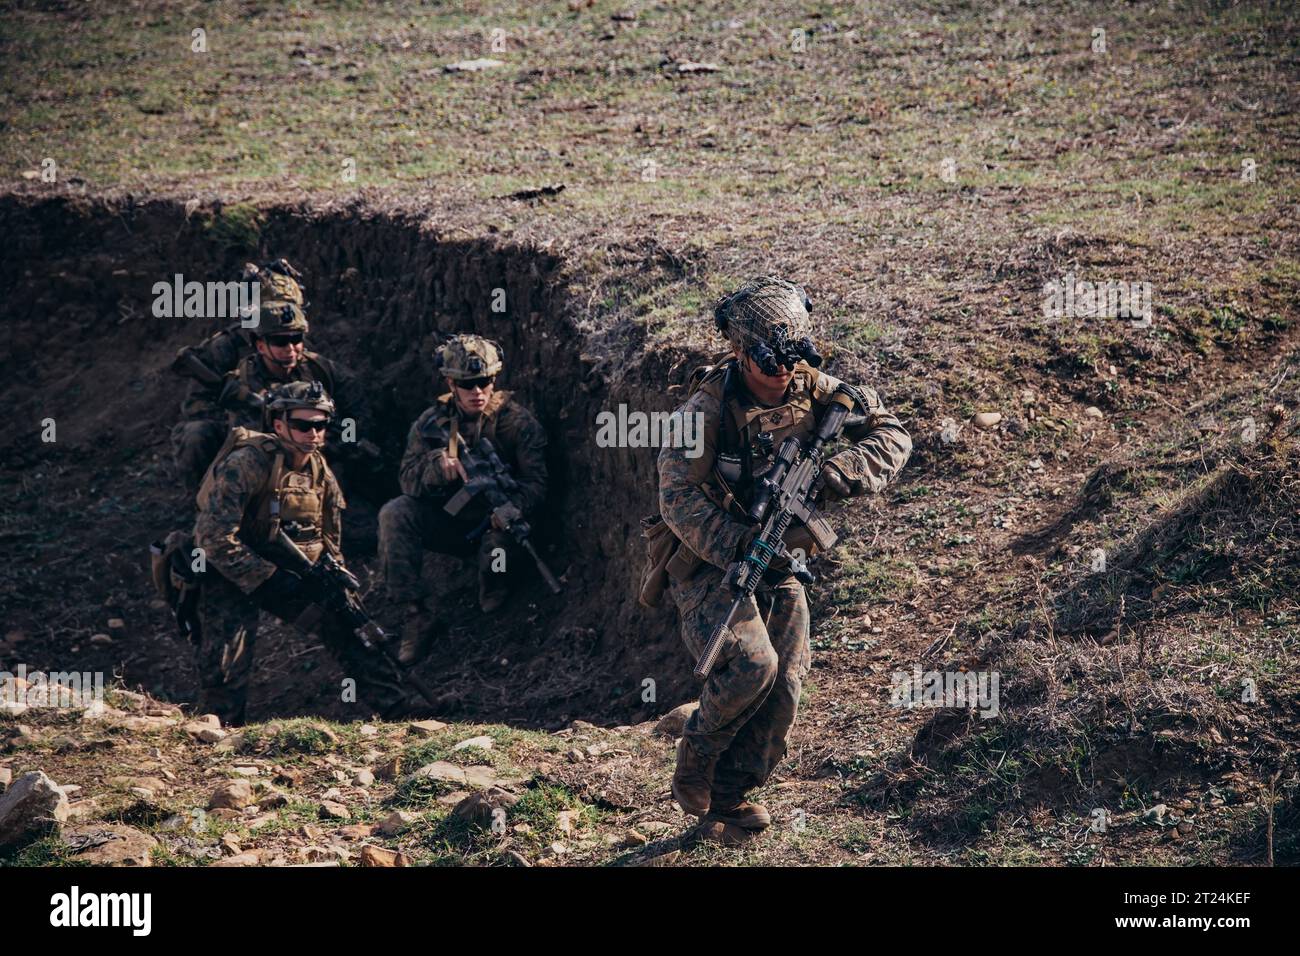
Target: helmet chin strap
column 306, row 449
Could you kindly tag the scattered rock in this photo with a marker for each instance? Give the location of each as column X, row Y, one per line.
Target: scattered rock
column 368, row 730
column 30, row 808
column 480, row 807
column 692, row 67
column 6, row 775
column 287, row 776
column 333, row 810
column 671, row 723
column 397, row 822
column 1092, row 411
column 205, row 733
column 1155, row 814
column 564, row 821
column 425, row 728
column 251, row 858
column 986, row 419
column 101, row 639
column 363, row 778
column 356, row 831
column 378, row 856
column 332, row 855
column 110, row 844
column 273, row 800
column 576, row 756
column 517, row 858
column 483, row 743
column 231, row 795
column 391, row 769
column 632, row 839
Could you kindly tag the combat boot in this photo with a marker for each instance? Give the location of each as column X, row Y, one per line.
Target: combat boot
column 491, row 594
column 717, row 832
column 693, row 779
column 740, row 813
column 415, row 634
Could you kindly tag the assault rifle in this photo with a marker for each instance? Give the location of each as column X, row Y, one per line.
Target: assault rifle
column 487, row 475
column 332, row 587
column 785, row 493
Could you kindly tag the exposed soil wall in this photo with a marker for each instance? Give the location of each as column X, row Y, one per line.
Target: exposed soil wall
column 84, row 349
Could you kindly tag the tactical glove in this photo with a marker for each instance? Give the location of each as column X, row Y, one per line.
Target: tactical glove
column 833, row 486
column 505, row 515
column 283, row 585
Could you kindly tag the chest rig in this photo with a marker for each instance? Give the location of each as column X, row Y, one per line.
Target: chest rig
column 460, row 433
column 290, row 500
column 749, row 435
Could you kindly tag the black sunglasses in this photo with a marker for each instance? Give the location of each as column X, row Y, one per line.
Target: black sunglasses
column 309, row 425
column 470, row 384
column 280, row 341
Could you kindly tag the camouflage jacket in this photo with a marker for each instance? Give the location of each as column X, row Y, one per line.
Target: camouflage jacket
column 220, row 352
column 341, row 385
column 693, row 491
column 514, row 431
column 237, row 521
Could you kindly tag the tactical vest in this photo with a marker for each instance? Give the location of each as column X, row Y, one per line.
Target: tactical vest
column 746, row 441
column 749, row 438
column 487, row 419
column 294, row 500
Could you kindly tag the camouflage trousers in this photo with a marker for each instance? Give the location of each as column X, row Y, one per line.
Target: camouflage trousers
column 228, row 624
column 408, row 527
column 194, row 444
column 749, row 702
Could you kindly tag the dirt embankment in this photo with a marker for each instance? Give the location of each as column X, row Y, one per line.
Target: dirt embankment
column 86, row 351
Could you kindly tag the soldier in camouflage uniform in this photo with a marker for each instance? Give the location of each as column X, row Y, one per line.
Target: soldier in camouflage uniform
column 431, row 474
column 249, row 361
column 265, row 483
column 750, row 404
column 198, row 436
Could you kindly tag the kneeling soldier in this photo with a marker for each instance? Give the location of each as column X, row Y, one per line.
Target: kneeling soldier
column 432, row 474
column 766, row 392
column 262, row 484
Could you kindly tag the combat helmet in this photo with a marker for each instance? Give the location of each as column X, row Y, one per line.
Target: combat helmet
column 769, row 319
column 278, row 279
column 292, row 396
column 469, row 356
column 277, row 317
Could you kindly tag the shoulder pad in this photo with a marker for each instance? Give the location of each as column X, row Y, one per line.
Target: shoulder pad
column 824, row 386
column 243, row 437
column 710, row 379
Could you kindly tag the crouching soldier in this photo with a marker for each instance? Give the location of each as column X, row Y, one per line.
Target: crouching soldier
column 261, row 484
column 197, row 438
column 768, row 390
column 432, row 473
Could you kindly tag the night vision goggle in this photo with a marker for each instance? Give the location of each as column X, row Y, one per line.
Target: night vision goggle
column 781, row 351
